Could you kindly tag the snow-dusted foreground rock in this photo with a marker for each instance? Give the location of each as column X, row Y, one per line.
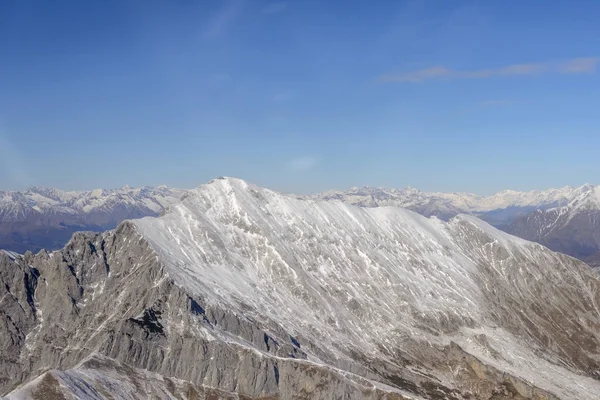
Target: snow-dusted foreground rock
column 241, row 292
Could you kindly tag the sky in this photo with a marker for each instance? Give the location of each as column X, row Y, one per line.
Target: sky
column 300, row 96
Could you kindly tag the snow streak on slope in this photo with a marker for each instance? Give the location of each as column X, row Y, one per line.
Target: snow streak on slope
column 365, row 279
column 285, row 257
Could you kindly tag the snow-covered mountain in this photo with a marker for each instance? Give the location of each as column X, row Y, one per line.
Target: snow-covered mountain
column 46, row 218
column 572, row 229
column 241, row 292
column 499, row 208
column 565, row 220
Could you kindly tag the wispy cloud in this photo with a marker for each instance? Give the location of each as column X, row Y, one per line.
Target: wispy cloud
column 580, row 66
column 574, row 66
column 303, row 163
column 274, row 8
column 223, row 19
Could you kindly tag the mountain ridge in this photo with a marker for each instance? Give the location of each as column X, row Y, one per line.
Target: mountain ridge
column 46, row 218
column 253, row 293
column 565, row 220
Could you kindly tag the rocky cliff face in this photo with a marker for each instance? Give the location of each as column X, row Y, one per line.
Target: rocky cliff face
column 103, row 306
column 240, row 292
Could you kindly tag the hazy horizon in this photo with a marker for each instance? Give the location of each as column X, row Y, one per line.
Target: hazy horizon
column 89, row 189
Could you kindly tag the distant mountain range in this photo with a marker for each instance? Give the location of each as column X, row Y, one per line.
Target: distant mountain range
column 565, row 220
column 240, row 292
column 47, row 218
column 572, row 229
column 501, row 208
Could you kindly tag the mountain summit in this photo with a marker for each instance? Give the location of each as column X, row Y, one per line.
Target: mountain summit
column 242, row 292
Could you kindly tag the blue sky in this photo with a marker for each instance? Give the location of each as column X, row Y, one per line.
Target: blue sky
column 300, row 96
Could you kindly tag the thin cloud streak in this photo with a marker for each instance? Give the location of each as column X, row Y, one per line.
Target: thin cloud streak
column 574, row 66
column 580, row 66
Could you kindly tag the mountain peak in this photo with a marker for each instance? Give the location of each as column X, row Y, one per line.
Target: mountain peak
column 349, row 278
column 227, row 179
column 228, row 184
column 588, row 199
column 587, row 187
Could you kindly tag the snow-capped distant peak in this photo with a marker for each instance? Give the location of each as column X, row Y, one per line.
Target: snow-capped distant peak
column 588, row 199
column 18, row 206
column 458, row 202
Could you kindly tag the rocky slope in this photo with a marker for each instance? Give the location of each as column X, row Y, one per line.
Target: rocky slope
column 573, row 229
column 241, row 292
column 47, row 218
